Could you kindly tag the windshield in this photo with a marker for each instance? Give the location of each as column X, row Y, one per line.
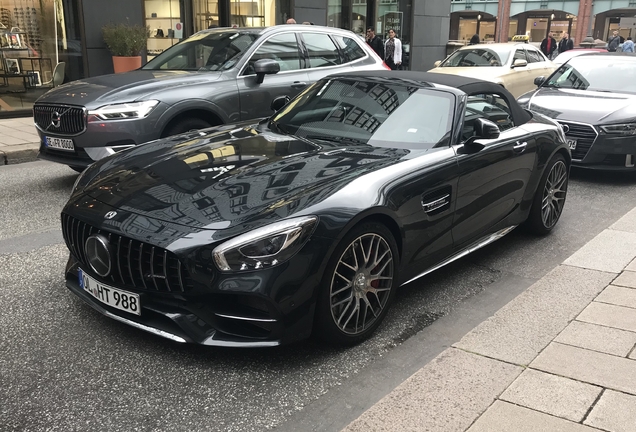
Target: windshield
column 478, row 56
column 610, row 74
column 376, row 112
column 204, row 52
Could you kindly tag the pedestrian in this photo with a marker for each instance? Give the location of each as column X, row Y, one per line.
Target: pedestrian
column 393, row 51
column 548, row 45
column 474, row 40
column 291, row 21
column 375, row 42
column 565, row 44
column 614, row 41
column 628, row 45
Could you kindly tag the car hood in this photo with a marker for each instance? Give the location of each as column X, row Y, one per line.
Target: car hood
column 231, row 180
column 584, row 106
column 123, row 87
column 483, row 73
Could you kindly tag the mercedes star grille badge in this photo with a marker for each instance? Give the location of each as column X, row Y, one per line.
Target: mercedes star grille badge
column 98, row 254
column 566, row 128
column 110, row 215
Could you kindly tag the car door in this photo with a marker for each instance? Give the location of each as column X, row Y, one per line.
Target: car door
column 323, row 54
column 538, row 64
column 492, row 180
column 518, row 81
column 255, row 98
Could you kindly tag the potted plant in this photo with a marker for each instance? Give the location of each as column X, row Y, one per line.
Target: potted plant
column 126, row 42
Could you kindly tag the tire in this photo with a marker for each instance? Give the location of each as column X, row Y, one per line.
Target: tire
column 186, row 125
column 549, row 197
column 76, row 168
column 352, row 303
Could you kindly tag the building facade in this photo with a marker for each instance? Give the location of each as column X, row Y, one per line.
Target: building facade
column 535, row 18
column 41, row 37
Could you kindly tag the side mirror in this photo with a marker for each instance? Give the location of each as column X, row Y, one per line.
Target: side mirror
column 519, row 63
column 279, row 102
column 264, row 67
column 538, row 81
column 486, row 129
column 437, row 63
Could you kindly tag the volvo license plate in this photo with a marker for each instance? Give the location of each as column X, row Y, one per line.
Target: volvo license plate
column 59, row 143
column 119, row 299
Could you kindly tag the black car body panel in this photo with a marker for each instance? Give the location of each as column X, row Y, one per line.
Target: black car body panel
column 166, row 206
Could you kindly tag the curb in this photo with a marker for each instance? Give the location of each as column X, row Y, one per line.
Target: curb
column 19, row 153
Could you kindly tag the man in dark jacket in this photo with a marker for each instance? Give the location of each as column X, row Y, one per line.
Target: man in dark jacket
column 614, row 41
column 548, row 46
column 375, row 42
column 565, row 44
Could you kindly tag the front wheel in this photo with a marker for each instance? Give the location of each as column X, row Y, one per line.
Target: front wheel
column 358, row 285
column 549, row 198
column 186, row 125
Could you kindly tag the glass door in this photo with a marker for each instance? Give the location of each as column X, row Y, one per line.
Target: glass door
column 162, row 16
column 247, row 13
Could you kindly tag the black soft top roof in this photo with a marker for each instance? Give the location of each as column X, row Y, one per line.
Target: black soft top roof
column 470, row 86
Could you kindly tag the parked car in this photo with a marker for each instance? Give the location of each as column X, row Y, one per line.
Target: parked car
column 567, row 55
column 215, row 77
column 257, row 234
column 593, row 97
column 511, row 65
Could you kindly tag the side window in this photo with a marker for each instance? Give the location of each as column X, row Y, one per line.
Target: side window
column 487, row 106
column 321, row 49
column 283, row 48
column 534, row 56
column 350, row 48
column 520, row 54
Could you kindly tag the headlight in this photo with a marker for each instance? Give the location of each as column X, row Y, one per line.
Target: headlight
column 264, row 247
column 620, row 129
column 133, row 110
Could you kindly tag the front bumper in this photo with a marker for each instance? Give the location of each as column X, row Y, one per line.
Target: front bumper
column 610, row 153
column 103, row 138
column 211, row 318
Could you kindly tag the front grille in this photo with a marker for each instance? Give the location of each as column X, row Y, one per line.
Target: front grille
column 135, row 264
column 72, row 120
column 585, row 135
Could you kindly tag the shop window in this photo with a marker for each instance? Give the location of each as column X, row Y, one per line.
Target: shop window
column 162, row 16
column 283, row 48
column 321, row 49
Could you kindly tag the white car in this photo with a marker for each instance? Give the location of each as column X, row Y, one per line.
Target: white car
column 512, row 65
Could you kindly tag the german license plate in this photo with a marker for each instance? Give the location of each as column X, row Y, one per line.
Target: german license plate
column 571, row 143
column 59, row 143
column 119, row 299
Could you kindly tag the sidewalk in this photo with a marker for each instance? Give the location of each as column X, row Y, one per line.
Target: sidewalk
column 559, row 357
column 19, row 141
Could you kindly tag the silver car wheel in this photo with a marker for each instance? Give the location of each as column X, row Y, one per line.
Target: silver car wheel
column 554, row 194
column 361, row 284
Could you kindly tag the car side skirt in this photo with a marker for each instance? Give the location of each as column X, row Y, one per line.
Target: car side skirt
column 472, row 248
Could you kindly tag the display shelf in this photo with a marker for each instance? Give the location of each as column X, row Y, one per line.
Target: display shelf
column 162, row 18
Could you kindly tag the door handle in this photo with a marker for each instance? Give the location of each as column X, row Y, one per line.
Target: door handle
column 298, row 84
column 519, row 147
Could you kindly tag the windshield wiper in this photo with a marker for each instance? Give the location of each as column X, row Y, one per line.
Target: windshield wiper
column 278, row 127
column 338, row 140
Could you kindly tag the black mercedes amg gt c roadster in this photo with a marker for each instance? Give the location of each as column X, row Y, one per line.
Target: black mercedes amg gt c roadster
column 265, row 232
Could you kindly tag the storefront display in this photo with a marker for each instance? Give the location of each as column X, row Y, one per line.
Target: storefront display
column 32, row 38
column 163, row 17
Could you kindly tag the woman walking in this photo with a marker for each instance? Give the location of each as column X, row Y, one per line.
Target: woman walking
column 393, row 51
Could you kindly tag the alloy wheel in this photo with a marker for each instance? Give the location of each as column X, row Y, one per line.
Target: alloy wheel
column 361, row 284
column 554, row 194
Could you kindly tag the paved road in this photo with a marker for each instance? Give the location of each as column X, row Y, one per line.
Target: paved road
column 64, row 367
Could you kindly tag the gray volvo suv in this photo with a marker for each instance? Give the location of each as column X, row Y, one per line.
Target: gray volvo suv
column 214, row 77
